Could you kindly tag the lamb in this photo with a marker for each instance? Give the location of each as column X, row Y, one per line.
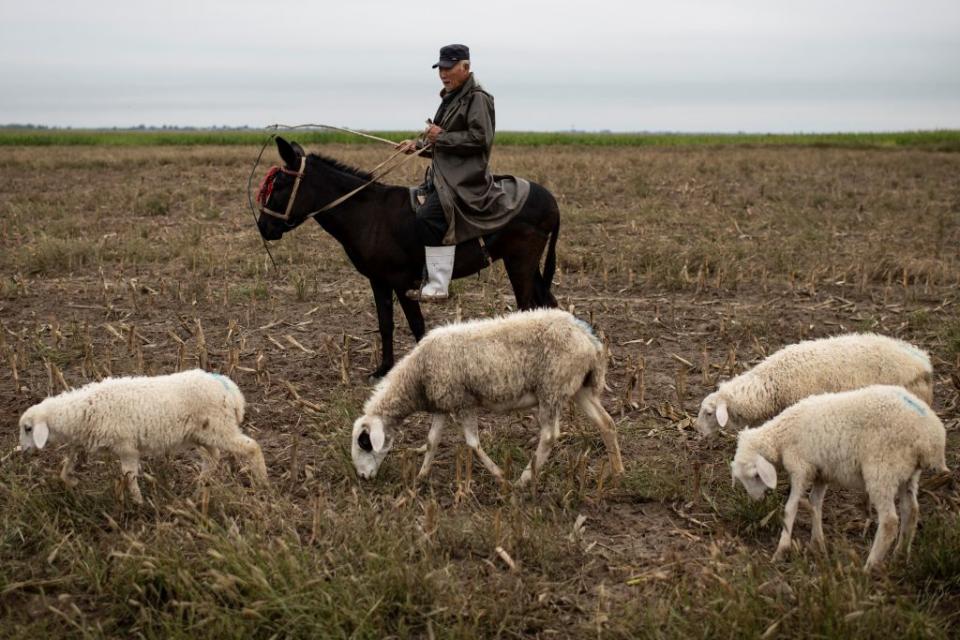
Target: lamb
column 134, row 416
column 538, row 358
column 877, row 438
column 840, row 363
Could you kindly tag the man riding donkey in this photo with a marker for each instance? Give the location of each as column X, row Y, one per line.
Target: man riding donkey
column 463, row 201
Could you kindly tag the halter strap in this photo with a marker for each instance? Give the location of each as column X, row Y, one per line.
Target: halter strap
column 298, row 177
column 377, row 173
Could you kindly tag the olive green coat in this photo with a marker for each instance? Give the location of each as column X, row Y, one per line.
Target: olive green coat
column 473, row 202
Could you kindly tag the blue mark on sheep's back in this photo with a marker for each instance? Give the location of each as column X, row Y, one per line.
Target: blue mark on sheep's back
column 916, row 353
column 913, row 404
column 586, row 327
column 224, row 380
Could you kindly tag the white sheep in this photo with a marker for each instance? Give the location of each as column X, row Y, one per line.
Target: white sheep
column 539, row 358
column 142, row 415
column 876, row 438
column 807, row 368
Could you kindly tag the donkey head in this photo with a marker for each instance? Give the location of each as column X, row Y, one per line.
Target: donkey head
column 283, row 199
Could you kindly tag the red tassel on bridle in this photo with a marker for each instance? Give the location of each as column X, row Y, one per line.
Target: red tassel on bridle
column 266, row 187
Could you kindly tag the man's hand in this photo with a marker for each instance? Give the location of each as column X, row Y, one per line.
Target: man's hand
column 432, row 132
column 407, row 146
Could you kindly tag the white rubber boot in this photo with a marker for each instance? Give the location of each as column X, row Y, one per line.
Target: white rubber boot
column 439, row 271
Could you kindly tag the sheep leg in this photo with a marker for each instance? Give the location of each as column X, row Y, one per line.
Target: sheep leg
column 909, row 513
column 433, row 438
column 69, row 466
column 130, row 466
column 816, row 507
column 549, row 431
column 797, row 488
column 590, row 404
column 209, row 460
column 473, row 441
column 246, row 448
column 886, row 529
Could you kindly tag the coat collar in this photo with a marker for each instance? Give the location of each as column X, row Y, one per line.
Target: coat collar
column 465, row 89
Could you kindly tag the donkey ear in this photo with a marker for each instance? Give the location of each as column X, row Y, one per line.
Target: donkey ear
column 768, row 473
column 40, row 434
column 722, row 416
column 377, row 437
column 298, row 149
column 288, row 153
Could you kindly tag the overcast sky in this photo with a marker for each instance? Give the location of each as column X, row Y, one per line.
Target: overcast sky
column 682, row 65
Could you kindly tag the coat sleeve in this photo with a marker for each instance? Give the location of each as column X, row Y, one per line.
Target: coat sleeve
column 478, row 135
column 426, row 154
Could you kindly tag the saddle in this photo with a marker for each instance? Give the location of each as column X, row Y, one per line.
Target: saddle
column 418, row 196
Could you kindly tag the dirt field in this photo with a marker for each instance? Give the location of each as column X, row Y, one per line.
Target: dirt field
column 694, row 263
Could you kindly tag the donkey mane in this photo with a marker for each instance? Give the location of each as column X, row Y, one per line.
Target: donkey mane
column 344, row 168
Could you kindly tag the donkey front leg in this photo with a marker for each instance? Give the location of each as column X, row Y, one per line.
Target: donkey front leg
column 383, row 298
column 412, row 312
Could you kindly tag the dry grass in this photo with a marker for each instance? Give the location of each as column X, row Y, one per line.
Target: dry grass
column 694, row 262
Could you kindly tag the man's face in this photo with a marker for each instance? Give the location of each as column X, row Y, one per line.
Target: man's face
column 454, row 77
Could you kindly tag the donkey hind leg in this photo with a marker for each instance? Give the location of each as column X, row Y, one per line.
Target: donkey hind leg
column 521, row 259
column 586, row 398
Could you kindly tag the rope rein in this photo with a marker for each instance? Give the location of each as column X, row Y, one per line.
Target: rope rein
column 377, row 173
column 266, row 186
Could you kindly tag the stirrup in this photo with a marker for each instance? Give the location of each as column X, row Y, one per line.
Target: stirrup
column 420, row 296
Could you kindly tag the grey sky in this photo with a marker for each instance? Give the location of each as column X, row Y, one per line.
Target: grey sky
column 690, row 65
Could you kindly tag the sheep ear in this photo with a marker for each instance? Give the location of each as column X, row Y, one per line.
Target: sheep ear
column 768, row 473
column 40, row 434
column 722, row 416
column 377, row 437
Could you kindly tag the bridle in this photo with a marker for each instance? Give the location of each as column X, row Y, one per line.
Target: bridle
column 266, row 187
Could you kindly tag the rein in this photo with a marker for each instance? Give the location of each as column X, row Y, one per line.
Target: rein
column 266, row 187
column 377, row 173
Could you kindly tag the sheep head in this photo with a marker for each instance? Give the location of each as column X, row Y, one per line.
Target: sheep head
column 33, row 430
column 371, row 441
column 755, row 473
column 713, row 416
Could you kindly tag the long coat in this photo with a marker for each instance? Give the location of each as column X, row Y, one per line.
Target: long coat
column 473, row 202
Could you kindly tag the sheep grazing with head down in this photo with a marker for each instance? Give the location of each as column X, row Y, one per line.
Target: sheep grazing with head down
column 876, row 438
column 807, row 368
column 131, row 417
column 539, row 358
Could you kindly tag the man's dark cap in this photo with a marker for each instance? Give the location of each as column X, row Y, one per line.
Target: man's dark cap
column 451, row 54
